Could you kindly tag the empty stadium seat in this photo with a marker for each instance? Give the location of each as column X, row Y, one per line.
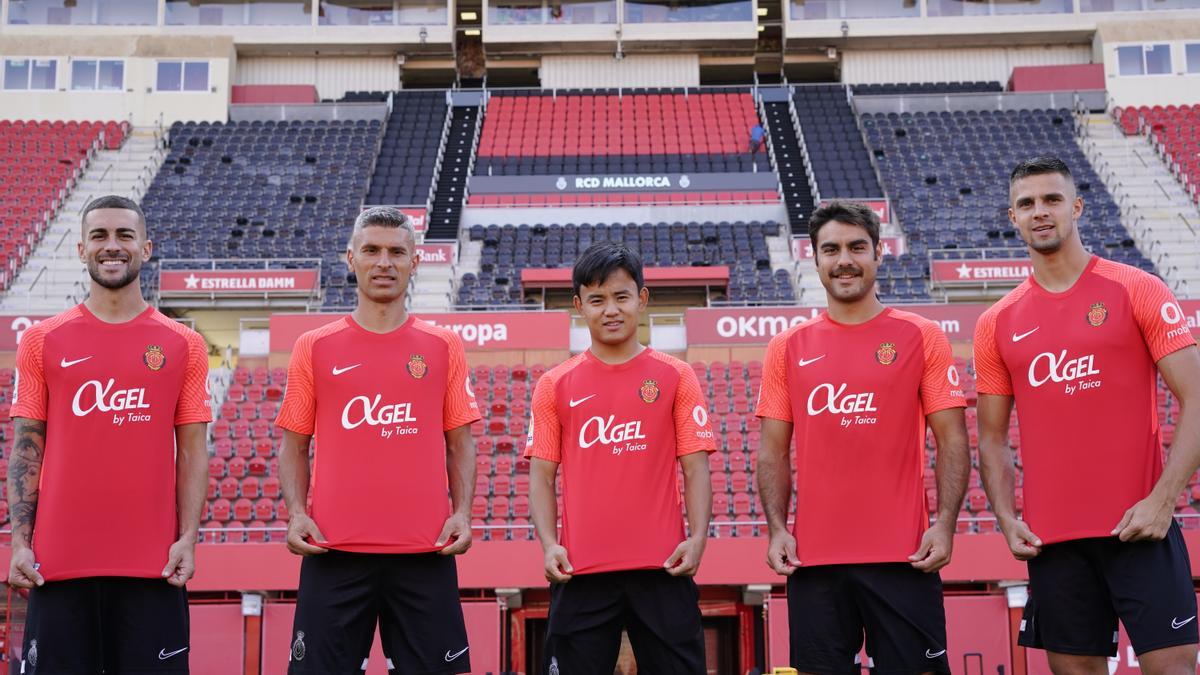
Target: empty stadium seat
column 740, row 246
column 947, row 177
column 263, row 190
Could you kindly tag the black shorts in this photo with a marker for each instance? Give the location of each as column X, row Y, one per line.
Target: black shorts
column 899, row 608
column 1078, row 589
column 112, row 625
column 413, row 597
column 660, row 612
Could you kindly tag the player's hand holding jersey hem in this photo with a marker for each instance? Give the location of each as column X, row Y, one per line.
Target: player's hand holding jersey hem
column 937, row 545
column 302, row 528
column 22, row 571
column 781, row 552
column 1148, row 520
column 685, row 561
column 558, row 565
column 457, row 530
column 1023, row 543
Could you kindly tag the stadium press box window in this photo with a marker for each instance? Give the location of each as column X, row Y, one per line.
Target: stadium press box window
column 83, row 12
column 94, row 75
column 1193, row 57
column 694, row 11
column 182, row 76
column 1135, row 5
column 1144, row 59
column 30, row 74
column 815, row 10
column 219, row 13
column 580, row 12
column 998, row 7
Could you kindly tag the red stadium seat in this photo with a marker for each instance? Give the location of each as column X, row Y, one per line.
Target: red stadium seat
column 257, row 532
column 221, row 510
column 264, row 509
column 243, row 509
column 271, row 488
column 228, row 488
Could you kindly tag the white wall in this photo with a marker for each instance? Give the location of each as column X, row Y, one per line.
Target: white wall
column 953, row 65
column 333, row 76
column 637, row 70
column 138, row 103
column 1133, row 90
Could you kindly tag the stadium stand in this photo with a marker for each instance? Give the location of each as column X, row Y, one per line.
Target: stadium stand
column 907, row 88
column 247, row 190
column 947, row 176
column 39, row 164
column 245, row 503
column 407, row 158
column 793, row 169
column 452, row 179
column 611, row 132
column 840, row 161
column 741, row 246
column 364, row 97
column 1174, row 129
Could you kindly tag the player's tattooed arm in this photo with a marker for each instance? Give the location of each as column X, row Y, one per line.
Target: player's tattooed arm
column 775, row 490
column 24, row 476
column 1150, row 518
column 998, row 471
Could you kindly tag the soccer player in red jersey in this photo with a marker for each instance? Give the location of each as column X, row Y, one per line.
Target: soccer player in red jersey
column 388, row 400
column 855, row 389
column 617, row 419
column 1078, row 348
column 107, row 477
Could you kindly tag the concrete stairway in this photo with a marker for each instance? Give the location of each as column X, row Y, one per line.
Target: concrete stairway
column 53, row 278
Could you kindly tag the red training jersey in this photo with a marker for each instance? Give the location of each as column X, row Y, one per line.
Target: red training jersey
column 379, row 405
column 1080, row 367
column 111, row 395
column 857, row 397
column 617, row 431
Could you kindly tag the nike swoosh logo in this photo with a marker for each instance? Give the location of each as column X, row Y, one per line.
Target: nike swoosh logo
column 580, row 401
column 1022, row 336
column 805, row 362
column 339, row 371
column 1177, row 624
column 450, row 657
column 67, row 364
column 163, row 654
column 931, row 655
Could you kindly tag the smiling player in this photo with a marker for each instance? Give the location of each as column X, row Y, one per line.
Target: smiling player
column 1078, row 348
column 855, row 388
column 389, row 402
column 617, row 418
column 108, row 383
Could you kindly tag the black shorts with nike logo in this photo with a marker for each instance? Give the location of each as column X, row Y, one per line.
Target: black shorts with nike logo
column 897, row 608
column 111, row 625
column 413, row 597
column 1078, row 589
